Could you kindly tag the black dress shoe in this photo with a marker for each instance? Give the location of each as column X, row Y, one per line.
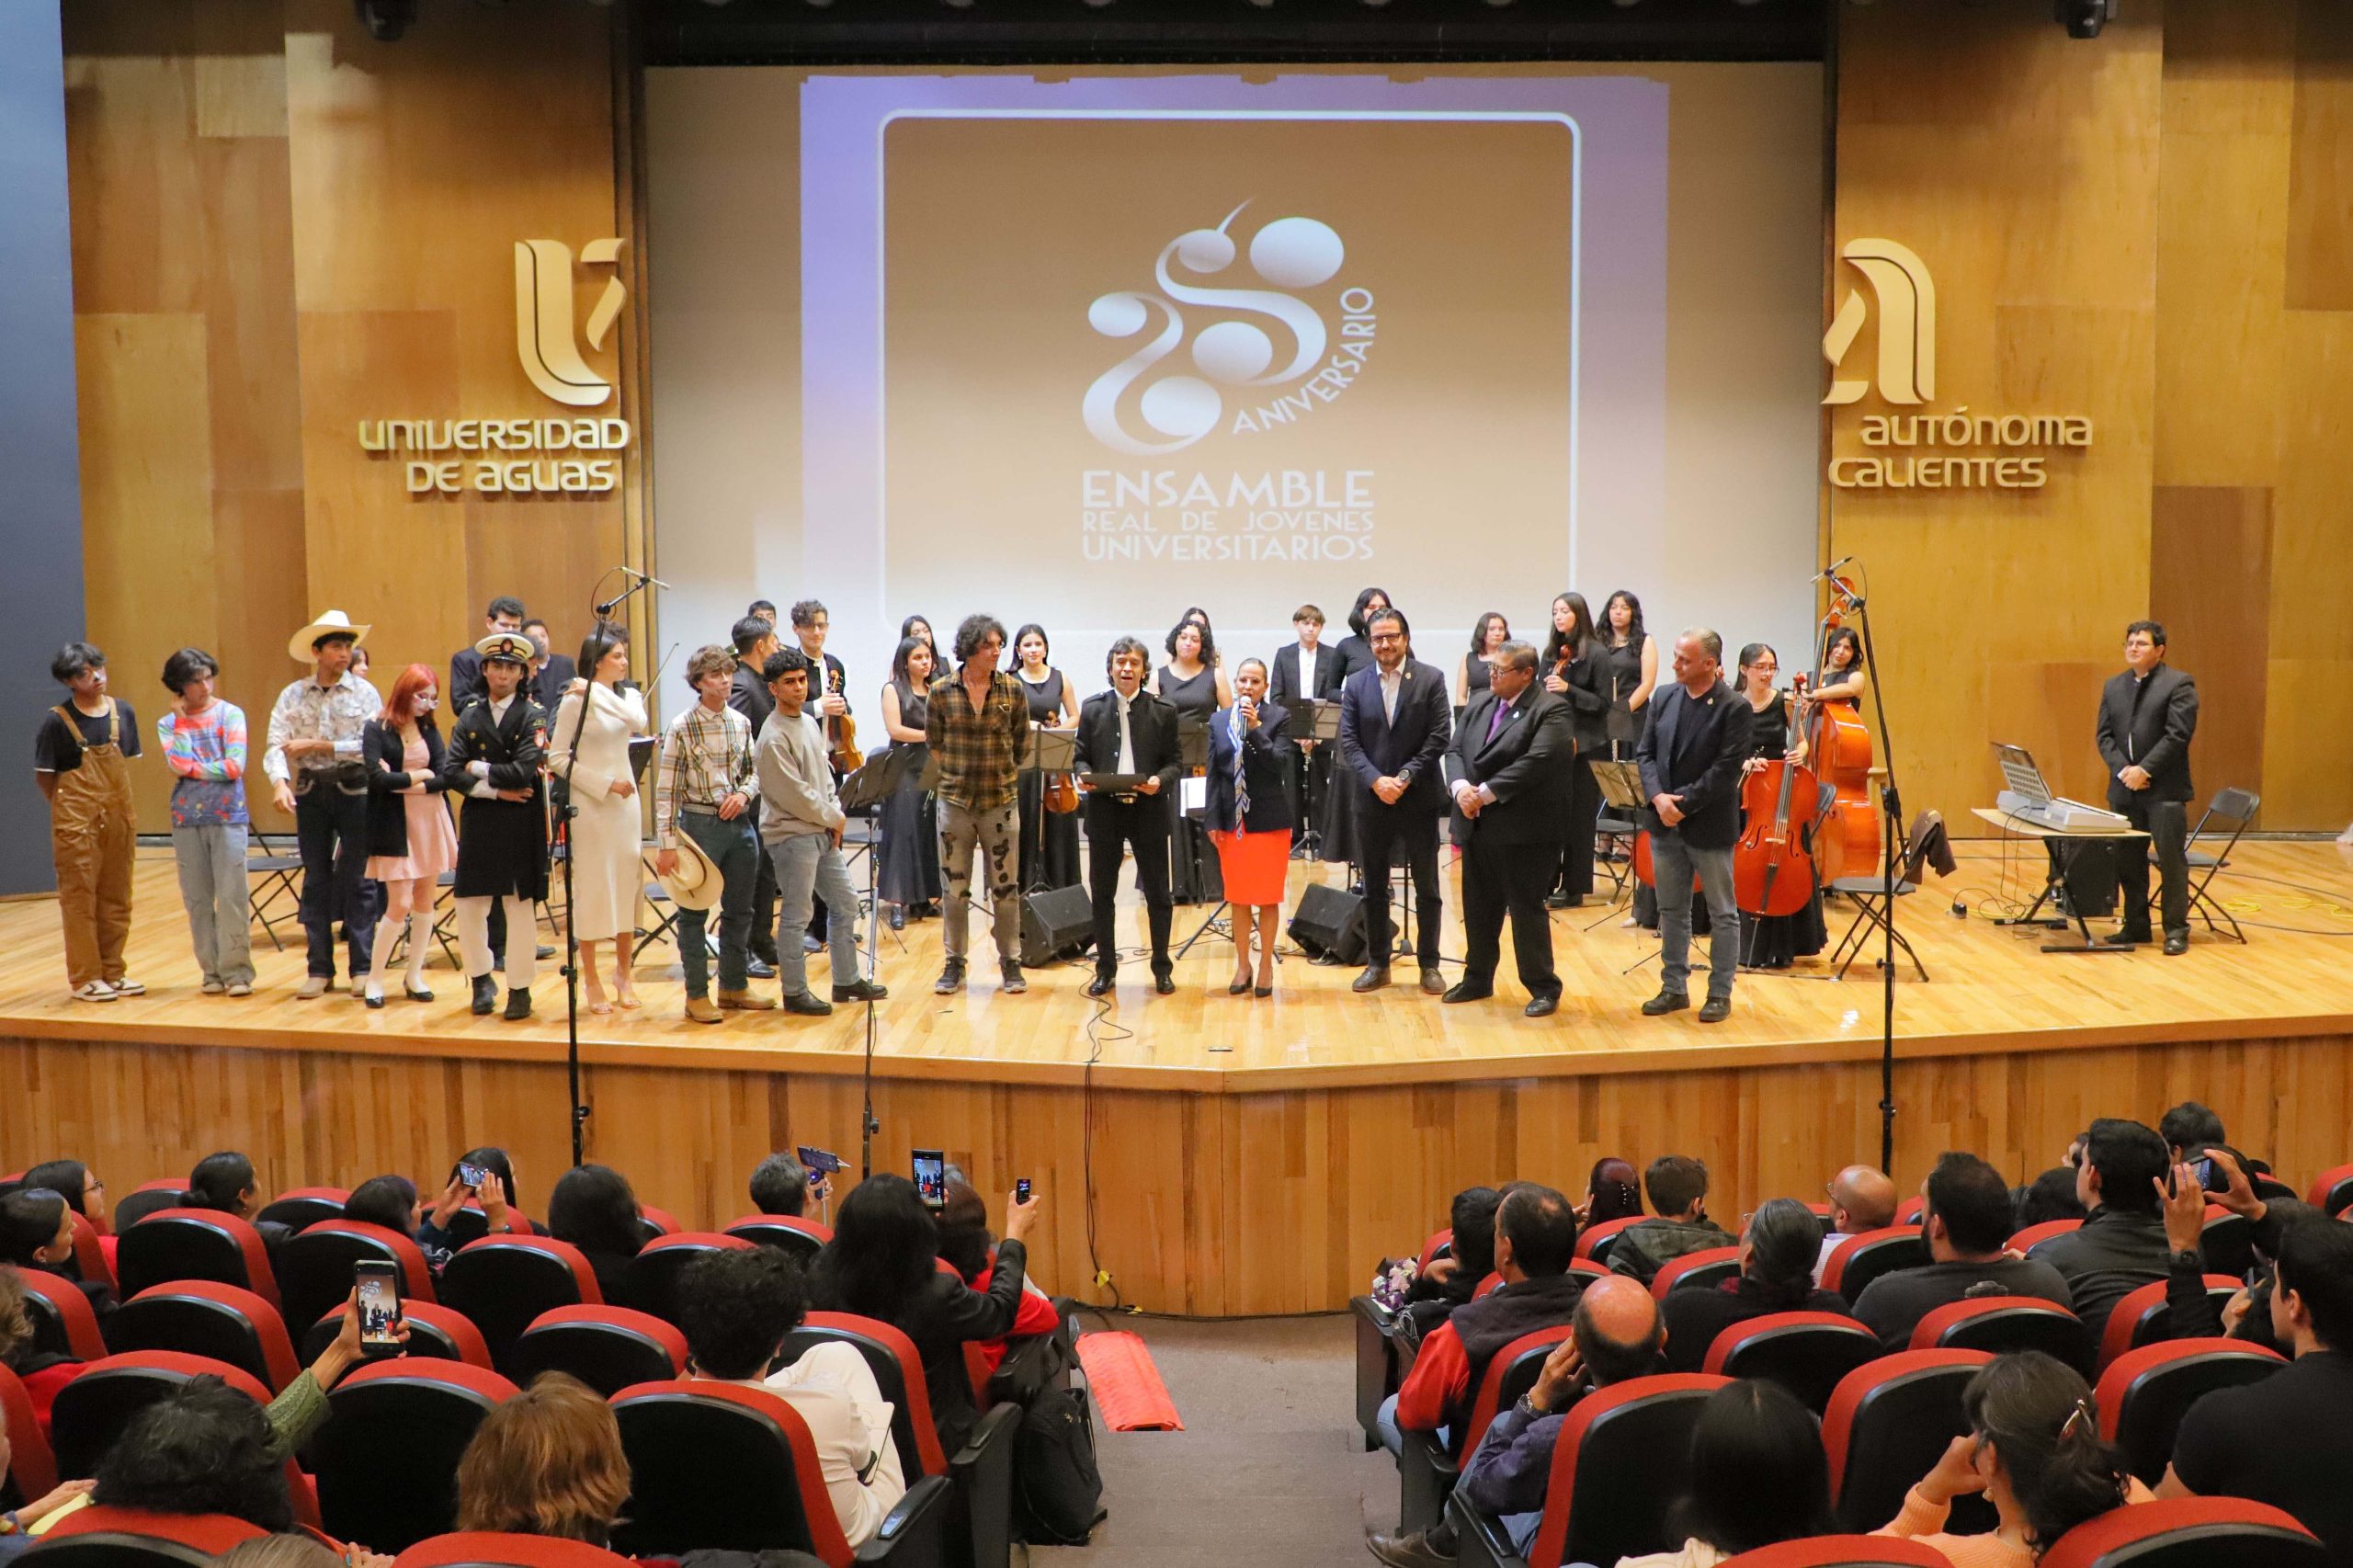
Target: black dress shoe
column 2177, row 943
column 862, row 990
column 1263, row 992
column 1540, row 1006
column 1715, row 1009
column 1464, row 991
column 1407, row 1550
column 416, row 993
column 485, row 996
column 1164, row 983
column 2122, row 940
column 1101, row 985
column 518, row 1006
column 760, row 968
column 1374, row 977
column 1666, row 1002
column 808, row 1005
column 1237, row 987
column 898, row 917
column 1433, row 982
column 373, row 999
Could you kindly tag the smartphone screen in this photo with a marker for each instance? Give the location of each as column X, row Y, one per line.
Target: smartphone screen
column 2211, row 1176
column 380, row 1307
column 931, row 1175
column 821, row 1160
column 1021, row 1190
column 475, row 1176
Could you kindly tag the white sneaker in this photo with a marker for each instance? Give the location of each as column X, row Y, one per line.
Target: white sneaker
column 126, row 986
column 210, row 988
column 95, row 990
column 240, row 988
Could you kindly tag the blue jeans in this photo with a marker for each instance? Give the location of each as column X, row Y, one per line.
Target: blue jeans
column 1391, row 1438
column 1674, row 861
column 737, row 853
column 809, row 867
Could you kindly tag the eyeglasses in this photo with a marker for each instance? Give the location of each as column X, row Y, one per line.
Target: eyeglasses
column 1388, row 637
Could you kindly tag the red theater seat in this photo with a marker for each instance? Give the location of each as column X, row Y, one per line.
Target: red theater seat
column 653, row 1272
column 2189, row 1532
column 1912, row 1210
column 2140, row 1318
column 2227, row 1242
column 298, row 1209
column 1439, row 1244
column 1487, row 1287
column 435, row 1333
column 2332, row 1190
column 314, row 1270
column 90, row 1251
column 1594, row 1241
column 492, row 1548
column 1425, row 1471
column 1887, row 1425
column 103, row 1537
column 63, row 1322
column 607, row 1347
column 503, row 1282
column 32, row 1468
column 2033, row 1236
column 1860, row 1259
column 144, row 1199
column 1702, row 1270
column 1807, row 1353
column 203, row 1318
column 2144, row 1394
column 2005, row 1323
column 389, row 1450
column 194, row 1244
column 802, row 1238
column 90, row 1413
column 1842, row 1551
column 657, row 1221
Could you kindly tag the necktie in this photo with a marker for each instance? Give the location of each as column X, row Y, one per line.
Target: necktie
column 1496, row 724
column 1233, row 729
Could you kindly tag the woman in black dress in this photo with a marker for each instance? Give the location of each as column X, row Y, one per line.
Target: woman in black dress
column 1632, row 655
column 1191, row 684
column 908, row 880
column 1355, row 653
column 1776, row 942
column 1578, row 672
column 1049, row 846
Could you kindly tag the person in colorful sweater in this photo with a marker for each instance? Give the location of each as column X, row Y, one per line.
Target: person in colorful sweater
column 204, row 743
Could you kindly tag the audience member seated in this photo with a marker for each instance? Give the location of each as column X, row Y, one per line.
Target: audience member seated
column 2288, row 1440
column 1861, row 1198
column 1535, row 1238
column 1611, row 1193
column 297, row 1550
column 37, row 1232
column 2051, row 1196
column 593, row 1208
column 781, row 1187
column 546, row 1461
column 1758, row 1476
column 883, row 1263
column 1677, row 1185
column 42, row 1372
column 2248, row 1315
column 1613, row 1335
column 1966, row 1221
column 436, row 1232
column 2121, row 1244
column 736, row 1306
column 77, row 1184
column 1450, row 1281
column 966, row 1247
column 18, row 1521
column 391, row 1202
column 2188, row 1129
column 1777, row 1260
column 226, row 1182
column 2033, row 1448
column 202, row 1448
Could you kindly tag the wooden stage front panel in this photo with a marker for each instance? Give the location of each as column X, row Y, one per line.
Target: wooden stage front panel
column 1247, row 1156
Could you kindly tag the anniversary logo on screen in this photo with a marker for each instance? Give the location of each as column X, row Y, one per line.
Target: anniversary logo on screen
column 1248, row 337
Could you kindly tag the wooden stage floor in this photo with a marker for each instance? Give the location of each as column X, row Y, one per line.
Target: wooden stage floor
column 1992, row 989
column 1224, row 1155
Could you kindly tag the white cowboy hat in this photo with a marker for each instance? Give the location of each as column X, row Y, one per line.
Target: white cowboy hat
column 332, row 624
column 696, row 884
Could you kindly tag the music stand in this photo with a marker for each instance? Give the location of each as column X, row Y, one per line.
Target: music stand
column 1317, row 720
column 1622, row 788
column 864, row 789
column 1049, row 751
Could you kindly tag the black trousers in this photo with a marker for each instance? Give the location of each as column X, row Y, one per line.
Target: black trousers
column 331, row 828
column 2168, row 824
column 1576, row 848
column 1141, row 825
column 1387, row 835
column 763, row 945
column 1500, row 879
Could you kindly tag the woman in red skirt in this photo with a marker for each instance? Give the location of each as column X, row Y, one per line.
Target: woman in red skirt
column 1250, row 819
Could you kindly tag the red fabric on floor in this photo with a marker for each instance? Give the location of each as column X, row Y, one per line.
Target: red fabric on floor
column 1125, row 1384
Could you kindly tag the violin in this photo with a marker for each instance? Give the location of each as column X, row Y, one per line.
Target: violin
column 1839, row 750
column 1772, row 863
column 1062, row 794
column 841, row 732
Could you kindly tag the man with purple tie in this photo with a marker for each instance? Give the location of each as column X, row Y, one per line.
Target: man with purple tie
column 1512, row 751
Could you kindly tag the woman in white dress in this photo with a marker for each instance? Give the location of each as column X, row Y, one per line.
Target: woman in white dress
column 607, row 875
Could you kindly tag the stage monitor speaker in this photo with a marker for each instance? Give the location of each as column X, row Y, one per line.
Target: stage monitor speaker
column 1329, row 922
column 1056, row 924
column 2091, row 869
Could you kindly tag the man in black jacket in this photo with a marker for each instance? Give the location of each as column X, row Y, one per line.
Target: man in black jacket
column 1128, row 731
column 466, row 687
column 755, row 639
column 2122, row 1245
column 1694, row 740
column 2147, row 715
column 1394, row 722
column 1307, row 671
column 1513, row 749
column 1965, row 1223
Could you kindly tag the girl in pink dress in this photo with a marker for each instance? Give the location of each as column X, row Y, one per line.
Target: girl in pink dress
column 410, row 841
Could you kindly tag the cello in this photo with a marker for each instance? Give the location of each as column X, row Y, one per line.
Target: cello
column 1839, row 747
column 1772, row 863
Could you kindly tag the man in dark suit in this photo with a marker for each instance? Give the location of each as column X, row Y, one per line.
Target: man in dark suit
column 1306, row 671
column 1127, row 730
column 466, row 687
column 1394, row 722
column 1693, row 744
column 1514, row 747
column 2147, row 715
column 754, row 639
column 553, row 671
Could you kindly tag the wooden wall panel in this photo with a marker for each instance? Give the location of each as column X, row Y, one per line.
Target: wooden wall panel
column 2210, row 577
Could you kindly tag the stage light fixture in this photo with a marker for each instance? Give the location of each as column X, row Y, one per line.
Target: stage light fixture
column 2083, row 18
column 386, row 20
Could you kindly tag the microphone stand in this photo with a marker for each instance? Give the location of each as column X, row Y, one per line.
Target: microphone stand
column 599, row 609
column 864, row 793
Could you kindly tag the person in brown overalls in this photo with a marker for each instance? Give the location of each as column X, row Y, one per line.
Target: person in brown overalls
column 80, row 758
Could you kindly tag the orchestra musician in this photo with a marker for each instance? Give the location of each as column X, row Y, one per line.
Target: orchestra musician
column 1355, row 653
column 1578, row 672
column 1775, row 941
column 1130, row 731
column 1306, row 671
column 1513, row 741
column 1048, row 839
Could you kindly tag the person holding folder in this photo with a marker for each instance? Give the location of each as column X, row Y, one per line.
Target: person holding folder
column 1127, row 732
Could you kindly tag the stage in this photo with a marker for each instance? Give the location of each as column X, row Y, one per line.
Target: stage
column 1248, row 1156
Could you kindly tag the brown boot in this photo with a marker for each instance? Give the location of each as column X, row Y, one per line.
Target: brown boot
column 746, row 1002
column 700, row 1011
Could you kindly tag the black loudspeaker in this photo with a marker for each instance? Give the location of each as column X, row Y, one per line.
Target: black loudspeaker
column 2091, row 869
column 1329, row 922
column 1056, row 924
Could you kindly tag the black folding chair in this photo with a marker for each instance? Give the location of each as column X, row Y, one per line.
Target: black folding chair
column 2237, row 808
column 277, row 874
column 1869, row 894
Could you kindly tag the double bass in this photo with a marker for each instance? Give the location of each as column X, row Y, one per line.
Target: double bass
column 1839, row 747
column 1772, row 864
